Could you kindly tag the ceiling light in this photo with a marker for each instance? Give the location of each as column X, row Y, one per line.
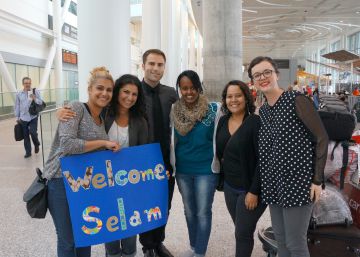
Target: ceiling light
column 358, row 12
column 341, row 21
column 247, row 10
column 273, row 4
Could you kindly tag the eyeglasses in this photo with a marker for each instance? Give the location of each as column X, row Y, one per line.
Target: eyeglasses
column 266, row 73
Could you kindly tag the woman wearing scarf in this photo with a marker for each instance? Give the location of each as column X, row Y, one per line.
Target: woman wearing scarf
column 194, row 122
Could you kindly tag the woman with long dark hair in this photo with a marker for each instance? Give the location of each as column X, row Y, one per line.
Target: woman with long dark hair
column 237, row 150
column 125, row 123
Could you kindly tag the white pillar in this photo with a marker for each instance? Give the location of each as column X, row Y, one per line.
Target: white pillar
column 151, row 25
column 177, row 39
column 57, row 25
column 184, row 38
column 222, row 28
column 170, row 37
column 52, row 49
column 199, row 56
column 192, row 52
column 104, row 39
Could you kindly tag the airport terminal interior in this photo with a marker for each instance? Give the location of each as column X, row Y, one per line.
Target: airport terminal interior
column 56, row 43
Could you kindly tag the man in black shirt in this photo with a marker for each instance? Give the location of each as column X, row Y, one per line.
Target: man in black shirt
column 158, row 100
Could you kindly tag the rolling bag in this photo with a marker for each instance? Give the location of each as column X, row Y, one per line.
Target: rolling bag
column 334, row 241
column 327, row 241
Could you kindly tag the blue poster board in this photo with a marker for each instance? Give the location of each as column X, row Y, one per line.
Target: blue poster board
column 115, row 195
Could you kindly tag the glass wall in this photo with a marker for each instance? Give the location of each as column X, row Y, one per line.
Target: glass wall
column 353, row 43
column 69, row 90
column 335, row 46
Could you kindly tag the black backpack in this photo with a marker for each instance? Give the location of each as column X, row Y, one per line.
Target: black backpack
column 35, row 108
column 338, row 121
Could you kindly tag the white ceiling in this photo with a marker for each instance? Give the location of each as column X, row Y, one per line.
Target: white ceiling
column 291, row 28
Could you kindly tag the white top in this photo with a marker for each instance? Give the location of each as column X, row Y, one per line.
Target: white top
column 119, row 134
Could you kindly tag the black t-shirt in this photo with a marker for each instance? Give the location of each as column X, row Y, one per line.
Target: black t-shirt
column 238, row 154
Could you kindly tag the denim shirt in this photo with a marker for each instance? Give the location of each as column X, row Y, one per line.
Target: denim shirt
column 22, row 104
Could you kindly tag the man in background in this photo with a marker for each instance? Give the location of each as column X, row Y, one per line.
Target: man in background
column 28, row 122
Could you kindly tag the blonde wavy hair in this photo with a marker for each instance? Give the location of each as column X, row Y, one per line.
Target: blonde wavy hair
column 99, row 73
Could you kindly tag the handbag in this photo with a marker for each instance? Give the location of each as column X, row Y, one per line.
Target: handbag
column 36, row 197
column 18, row 132
column 35, row 108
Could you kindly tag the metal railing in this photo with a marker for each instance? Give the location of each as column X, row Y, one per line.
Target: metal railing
column 52, row 98
column 48, row 126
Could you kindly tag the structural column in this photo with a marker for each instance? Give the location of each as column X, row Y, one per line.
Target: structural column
column 184, row 37
column 192, row 53
column 222, row 30
column 151, row 25
column 104, row 38
column 199, row 56
column 170, row 40
column 57, row 21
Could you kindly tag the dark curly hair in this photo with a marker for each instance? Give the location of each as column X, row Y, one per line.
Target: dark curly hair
column 195, row 80
column 138, row 109
column 250, row 106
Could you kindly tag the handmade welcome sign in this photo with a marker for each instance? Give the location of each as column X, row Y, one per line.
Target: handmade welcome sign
column 115, row 195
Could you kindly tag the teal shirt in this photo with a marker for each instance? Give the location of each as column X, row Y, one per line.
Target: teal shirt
column 194, row 151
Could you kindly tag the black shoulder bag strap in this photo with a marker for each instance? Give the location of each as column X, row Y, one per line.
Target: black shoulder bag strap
column 345, row 147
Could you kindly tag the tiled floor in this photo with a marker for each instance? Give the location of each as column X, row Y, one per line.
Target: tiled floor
column 21, row 236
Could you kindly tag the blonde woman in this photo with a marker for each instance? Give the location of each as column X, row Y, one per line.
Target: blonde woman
column 84, row 133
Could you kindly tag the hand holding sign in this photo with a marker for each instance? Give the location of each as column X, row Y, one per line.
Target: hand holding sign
column 115, row 195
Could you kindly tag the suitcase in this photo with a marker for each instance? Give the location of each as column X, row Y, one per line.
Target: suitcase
column 352, row 195
column 329, row 241
column 334, row 241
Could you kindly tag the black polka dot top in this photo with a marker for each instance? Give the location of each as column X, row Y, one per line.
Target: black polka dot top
column 286, row 154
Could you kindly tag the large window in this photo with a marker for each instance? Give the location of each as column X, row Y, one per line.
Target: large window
column 21, row 71
column 323, row 60
column 72, row 6
column 335, row 46
column 69, row 89
column 353, row 44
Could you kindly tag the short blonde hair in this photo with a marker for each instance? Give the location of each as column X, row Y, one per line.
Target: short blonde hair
column 99, row 73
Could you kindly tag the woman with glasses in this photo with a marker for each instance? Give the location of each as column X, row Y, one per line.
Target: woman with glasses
column 292, row 156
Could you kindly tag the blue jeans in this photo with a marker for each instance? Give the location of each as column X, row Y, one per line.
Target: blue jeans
column 197, row 193
column 59, row 211
column 30, row 129
column 125, row 247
